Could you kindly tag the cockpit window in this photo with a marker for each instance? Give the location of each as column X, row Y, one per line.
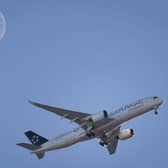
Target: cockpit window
column 155, row 97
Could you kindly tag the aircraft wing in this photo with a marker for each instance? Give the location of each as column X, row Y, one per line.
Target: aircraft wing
column 111, row 140
column 68, row 114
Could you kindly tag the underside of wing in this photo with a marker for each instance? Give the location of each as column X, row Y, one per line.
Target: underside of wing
column 112, row 146
column 110, row 140
column 74, row 116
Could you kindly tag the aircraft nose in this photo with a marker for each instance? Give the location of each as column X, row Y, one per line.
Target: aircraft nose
column 158, row 100
column 161, row 101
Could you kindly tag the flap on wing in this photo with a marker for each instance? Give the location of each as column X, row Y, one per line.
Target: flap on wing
column 112, row 146
column 74, row 116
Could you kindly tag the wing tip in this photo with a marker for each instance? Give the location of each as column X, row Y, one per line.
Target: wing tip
column 30, row 101
column 19, row 144
column 33, row 103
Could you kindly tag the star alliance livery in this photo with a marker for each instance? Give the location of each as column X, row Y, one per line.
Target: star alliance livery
column 104, row 126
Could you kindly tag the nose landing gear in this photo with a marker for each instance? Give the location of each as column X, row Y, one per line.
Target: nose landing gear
column 156, row 112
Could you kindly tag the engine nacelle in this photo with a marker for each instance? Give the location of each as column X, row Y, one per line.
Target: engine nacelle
column 99, row 116
column 125, row 134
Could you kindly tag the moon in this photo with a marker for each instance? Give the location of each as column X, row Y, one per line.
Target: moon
column 2, row 25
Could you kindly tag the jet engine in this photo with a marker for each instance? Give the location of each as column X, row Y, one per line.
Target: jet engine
column 98, row 116
column 125, row 134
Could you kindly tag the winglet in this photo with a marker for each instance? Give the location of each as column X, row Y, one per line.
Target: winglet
column 31, row 102
column 35, row 104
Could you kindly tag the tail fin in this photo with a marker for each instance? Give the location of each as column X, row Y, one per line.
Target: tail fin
column 31, row 147
column 35, row 139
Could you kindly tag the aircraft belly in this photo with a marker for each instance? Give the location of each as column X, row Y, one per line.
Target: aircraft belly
column 67, row 140
column 59, row 144
column 99, row 131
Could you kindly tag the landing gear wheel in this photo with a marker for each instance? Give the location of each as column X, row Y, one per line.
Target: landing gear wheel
column 156, row 113
column 101, row 143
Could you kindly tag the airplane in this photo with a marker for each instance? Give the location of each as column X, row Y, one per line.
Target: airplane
column 102, row 125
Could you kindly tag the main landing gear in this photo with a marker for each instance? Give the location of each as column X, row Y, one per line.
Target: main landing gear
column 102, row 143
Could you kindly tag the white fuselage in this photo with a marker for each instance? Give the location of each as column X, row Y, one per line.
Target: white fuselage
column 116, row 118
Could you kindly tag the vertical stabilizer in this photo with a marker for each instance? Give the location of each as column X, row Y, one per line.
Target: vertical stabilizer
column 35, row 139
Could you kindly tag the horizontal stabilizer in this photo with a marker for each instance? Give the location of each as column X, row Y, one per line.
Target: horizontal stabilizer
column 31, row 147
column 28, row 146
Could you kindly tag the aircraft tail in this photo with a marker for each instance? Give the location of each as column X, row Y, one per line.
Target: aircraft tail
column 36, row 141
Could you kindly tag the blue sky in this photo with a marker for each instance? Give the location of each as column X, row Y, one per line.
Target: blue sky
column 85, row 56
